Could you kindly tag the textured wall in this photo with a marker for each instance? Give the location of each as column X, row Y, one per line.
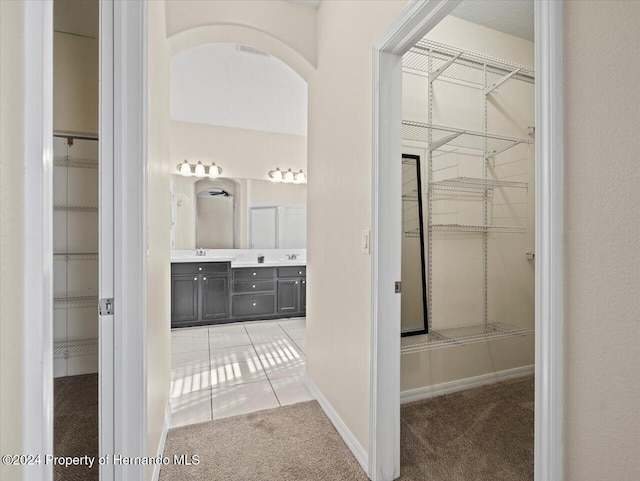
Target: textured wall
column 11, row 228
column 339, row 205
column 602, row 228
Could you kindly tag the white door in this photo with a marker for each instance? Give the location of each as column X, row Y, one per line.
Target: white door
column 263, row 228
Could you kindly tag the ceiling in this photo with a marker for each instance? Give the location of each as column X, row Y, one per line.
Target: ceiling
column 76, row 17
column 513, row 17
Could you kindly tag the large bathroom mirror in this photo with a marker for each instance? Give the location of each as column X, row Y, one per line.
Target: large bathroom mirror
column 238, row 214
column 414, row 311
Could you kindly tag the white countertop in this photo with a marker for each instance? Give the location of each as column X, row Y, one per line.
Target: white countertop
column 239, row 263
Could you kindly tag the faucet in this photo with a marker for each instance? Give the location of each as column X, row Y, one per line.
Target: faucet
column 292, row 257
column 201, row 252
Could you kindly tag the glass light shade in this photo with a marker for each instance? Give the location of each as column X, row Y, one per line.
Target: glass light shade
column 214, row 171
column 185, row 169
column 200, row 170
column 276, row 175
column 288, row 176
column 300, row 178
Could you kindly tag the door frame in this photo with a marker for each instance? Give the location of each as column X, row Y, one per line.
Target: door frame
column 413, row 23
column 123, row 102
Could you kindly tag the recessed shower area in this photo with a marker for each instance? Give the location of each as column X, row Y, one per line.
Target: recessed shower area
column 467, row 306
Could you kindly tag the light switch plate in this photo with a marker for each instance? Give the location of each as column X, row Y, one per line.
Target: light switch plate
column 364, row 242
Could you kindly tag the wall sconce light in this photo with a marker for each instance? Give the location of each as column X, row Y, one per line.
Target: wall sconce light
column 288, row 177
column 199, row 170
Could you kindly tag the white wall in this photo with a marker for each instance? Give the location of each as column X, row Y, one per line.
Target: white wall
column 221, row 85
column 458, row 261
column 158, row 224
column 241, row 153
column 12, row 214
column 75, row 83
column 602, row 232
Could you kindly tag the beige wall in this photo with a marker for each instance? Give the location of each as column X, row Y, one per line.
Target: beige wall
column 339, row 201
column 11, row 227
column 241, row 153
column 602, row 231
column 158, row 223
column 75, row 83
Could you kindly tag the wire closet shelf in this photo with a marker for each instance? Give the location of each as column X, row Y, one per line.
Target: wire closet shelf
column 467, row 69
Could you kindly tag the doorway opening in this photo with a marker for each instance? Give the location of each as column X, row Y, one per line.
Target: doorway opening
column 75, row 235
column 238, row 258
column 475, row 108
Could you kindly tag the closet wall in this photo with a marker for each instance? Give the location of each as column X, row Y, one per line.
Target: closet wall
column 75, row 199
column 457, row 289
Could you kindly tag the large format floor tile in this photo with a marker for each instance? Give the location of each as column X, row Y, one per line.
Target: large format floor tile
column 191, row 408
column 228, row 336
column 187, row 340
column 242, row 399
column 233, row 373
column 296, row 332
column 190, row 371
column 226, row 355
column 293, row 323
column 291, row 390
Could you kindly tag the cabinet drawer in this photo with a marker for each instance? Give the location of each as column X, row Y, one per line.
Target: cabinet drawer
column 244, row 286
column 209, row 268
column 257, row 273
column 296, row 271
column 252, row 305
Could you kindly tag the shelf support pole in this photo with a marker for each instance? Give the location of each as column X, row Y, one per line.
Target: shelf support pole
column 439, row 143
column 497, row 84
column 437, row 72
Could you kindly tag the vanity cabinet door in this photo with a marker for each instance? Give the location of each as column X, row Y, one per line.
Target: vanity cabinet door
column 303, row 294
column 215, row 297
column 184, row 298
column 288, row 290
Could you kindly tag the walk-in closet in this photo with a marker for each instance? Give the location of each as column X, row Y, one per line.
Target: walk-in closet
column 468, row 247
column 75, row 235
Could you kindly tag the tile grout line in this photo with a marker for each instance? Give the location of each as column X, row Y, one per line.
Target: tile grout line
column 265, row 371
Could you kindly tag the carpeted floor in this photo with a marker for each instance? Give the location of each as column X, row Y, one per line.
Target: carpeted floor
column 75, row 427
column 484, row 434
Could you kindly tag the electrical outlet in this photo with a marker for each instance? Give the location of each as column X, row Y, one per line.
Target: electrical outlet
column 364, row 242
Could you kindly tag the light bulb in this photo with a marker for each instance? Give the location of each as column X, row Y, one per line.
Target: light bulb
column 300, row 178
column 288, row 176
column 276, row 175
column 214, row 171
column 185, row 168
column 200, row 170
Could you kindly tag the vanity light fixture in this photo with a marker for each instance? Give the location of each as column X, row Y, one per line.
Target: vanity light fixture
column 288, row 177
column 199, row 170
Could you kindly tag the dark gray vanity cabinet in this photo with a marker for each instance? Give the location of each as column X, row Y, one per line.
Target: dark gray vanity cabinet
column 213, row 293
column 199, row 293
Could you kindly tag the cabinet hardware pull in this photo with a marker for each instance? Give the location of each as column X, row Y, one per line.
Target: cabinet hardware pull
column 204, row 278
column 254, row 304
column 299, row 272
column 195, row 278
column 199, row 268
column 254, row 273
column 296, row 282
column 304, row 282
column 254, row 286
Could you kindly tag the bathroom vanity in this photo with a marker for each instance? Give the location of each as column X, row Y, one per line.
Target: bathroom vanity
column 217, row 291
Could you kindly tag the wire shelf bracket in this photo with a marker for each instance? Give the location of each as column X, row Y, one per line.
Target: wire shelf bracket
column 437, row 72
column 497, row 84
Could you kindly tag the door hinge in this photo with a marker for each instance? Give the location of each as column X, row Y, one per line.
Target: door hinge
column 398, row 285
column 105, row 307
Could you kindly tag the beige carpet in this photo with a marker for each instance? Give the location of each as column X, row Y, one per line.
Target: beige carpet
column 75, row 426
column 477, row 435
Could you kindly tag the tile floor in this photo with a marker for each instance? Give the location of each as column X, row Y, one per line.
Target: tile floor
column 222, row 371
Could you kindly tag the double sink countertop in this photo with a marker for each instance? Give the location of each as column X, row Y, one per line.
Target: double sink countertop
column 235, row 262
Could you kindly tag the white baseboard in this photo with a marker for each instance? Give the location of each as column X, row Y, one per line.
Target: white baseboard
column 427, row 392
column 347, row 436
column 163, row 439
